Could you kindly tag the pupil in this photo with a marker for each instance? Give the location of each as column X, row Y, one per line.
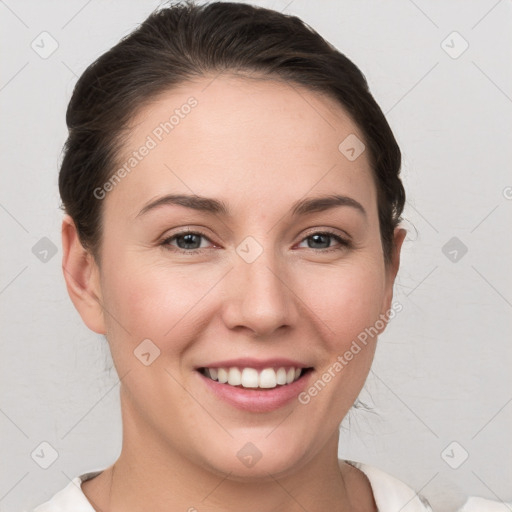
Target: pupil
column 188, row 239
column 316, row 241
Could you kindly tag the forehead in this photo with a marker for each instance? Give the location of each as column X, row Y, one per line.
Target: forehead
column 242, row 138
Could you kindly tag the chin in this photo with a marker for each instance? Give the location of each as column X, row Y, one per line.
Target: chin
column 253, row 457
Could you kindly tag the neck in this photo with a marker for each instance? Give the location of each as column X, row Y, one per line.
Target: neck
column 162, row 485
column 151, row 475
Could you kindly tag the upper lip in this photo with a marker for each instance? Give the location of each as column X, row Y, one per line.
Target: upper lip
column 259, row 364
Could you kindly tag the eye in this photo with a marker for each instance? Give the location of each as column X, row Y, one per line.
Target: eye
column 185, row 242
column 189, row 242
column 321, row 240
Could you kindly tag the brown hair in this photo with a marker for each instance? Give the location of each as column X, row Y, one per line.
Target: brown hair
column 184, row 41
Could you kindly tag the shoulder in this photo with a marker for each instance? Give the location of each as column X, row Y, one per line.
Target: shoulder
column 389, row 493
column 475, row 504
column 70, row 497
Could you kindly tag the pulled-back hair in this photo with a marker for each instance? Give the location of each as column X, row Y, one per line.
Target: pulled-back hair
column 183, row 42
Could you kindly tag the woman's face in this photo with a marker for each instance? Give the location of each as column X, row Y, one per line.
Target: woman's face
column 255, row 284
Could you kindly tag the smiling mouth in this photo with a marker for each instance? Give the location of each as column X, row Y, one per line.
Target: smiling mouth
column 251, row 378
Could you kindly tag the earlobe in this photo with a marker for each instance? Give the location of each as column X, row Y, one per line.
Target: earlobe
column 82, row 278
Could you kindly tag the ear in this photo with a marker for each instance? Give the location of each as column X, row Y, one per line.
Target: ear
column 392, row 268
column 82, row 277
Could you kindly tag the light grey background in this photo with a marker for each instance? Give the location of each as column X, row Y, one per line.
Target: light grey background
column 442, row 369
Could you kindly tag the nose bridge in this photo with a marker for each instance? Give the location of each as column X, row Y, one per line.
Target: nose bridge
column 259, row 295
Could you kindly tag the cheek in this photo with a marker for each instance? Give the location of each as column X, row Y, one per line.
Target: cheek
column 155, row 301
column 347, row 306
column 347, row 299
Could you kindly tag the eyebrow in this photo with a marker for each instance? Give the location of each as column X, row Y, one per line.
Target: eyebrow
column 217, row 207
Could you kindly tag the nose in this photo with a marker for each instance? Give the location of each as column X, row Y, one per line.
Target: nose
column 259, row 297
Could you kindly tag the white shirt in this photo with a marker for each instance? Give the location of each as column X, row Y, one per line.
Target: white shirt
column 390, row 494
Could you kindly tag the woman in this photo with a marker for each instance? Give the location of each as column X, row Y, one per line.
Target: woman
column 232, row 226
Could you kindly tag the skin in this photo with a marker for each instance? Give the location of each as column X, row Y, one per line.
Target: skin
column 259, row 146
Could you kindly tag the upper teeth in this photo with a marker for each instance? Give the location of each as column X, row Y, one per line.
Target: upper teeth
column 252, row 378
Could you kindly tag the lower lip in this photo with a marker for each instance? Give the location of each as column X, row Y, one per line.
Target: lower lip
column 257, row 400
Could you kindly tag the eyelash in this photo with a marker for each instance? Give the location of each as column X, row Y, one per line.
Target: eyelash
column 343, row 243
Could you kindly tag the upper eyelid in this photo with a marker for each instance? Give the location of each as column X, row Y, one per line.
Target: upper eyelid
column 186, row 232
column 329, row 231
